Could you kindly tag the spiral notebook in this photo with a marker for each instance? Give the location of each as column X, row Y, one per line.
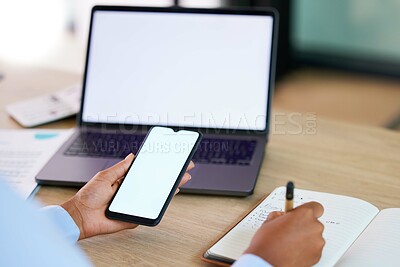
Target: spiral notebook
column 356, row 232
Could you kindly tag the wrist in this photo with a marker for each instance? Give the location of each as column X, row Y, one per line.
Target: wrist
column 75, row 214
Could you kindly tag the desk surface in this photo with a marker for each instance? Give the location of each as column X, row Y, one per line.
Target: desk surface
column 358, row 161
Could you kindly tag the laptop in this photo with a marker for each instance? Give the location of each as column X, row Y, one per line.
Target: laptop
column 206, row 69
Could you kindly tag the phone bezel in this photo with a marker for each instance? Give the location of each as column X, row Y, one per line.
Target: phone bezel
column 146, row 221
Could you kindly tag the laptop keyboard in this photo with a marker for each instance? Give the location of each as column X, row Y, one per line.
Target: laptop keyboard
column 211, row 150
column 93, row 144
column 225, row 151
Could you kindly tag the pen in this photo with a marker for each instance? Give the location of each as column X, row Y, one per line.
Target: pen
column 289, row 196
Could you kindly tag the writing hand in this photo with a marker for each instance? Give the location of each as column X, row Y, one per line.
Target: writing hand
column 290, row 239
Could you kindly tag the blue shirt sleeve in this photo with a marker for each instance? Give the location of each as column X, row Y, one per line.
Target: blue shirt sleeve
column 28, row 238
column 251, row 260
column 63, row 221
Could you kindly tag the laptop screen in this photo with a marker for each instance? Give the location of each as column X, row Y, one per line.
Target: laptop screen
column 179, row 69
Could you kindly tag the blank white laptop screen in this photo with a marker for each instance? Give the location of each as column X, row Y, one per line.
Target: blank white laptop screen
column 179, row 69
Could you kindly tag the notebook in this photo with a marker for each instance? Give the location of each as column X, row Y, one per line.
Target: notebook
column 356, row 232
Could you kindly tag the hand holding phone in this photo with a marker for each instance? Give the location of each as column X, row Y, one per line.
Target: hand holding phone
column 153, row 176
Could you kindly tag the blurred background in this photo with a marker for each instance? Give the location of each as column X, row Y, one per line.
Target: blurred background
column 339, row 59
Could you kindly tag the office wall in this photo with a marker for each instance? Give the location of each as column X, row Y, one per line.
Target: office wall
column 368, row 29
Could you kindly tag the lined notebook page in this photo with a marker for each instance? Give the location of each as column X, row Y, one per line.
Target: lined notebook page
column 378, row 245
column 344, row 219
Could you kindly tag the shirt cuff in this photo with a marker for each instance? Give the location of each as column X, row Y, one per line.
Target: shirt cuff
column 63, row 221
column 251, row 260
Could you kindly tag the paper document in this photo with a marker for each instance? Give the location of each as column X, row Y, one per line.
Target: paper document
column 46, row 108
column 24, row 152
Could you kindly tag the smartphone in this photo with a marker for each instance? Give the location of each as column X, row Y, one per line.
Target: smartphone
column 154, row 176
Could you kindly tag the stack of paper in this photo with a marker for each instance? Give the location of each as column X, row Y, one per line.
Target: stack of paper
column 24, row 152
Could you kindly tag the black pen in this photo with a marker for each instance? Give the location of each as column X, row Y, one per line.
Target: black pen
column 289, row 196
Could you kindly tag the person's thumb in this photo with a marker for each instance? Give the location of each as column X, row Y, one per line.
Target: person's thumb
column 115, row 172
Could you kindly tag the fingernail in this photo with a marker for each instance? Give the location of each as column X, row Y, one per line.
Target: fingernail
column 190, row 177
column 177, row 190
column 192, row 164
column 128, row 156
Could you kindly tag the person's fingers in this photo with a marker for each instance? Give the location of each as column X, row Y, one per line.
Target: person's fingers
column 186, row 177
column 316, row 208
column 115, row 172
column 116, row 184
column 119, row 225
column 191, row 166
column 273, row 215
column 176, row 191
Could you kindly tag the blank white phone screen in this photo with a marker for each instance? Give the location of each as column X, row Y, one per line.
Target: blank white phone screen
column 154, row 172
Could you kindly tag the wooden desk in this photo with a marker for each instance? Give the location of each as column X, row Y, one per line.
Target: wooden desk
column 340, row 158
